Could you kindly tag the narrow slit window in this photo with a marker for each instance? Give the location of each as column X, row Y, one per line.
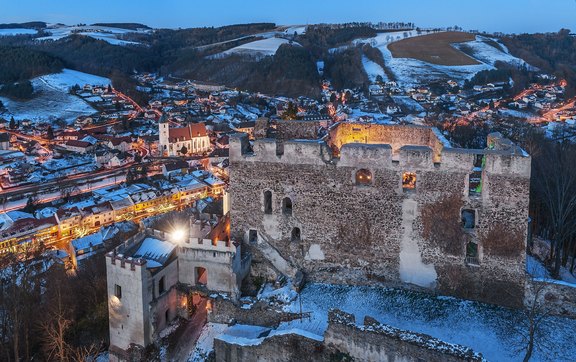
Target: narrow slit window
column 268, row 202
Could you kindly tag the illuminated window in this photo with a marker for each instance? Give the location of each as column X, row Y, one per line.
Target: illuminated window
column 363, row 177
column 118, row 291
column 287, row 206
column 408, row 181
column 267, row 202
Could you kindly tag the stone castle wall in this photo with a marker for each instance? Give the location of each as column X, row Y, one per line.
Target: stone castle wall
column 344, row 341
column 353, row 233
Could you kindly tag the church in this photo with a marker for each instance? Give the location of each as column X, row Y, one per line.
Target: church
column 181, row 141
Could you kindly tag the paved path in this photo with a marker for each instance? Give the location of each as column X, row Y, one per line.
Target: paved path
column 188, row 338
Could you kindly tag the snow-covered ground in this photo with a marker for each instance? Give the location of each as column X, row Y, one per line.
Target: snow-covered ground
column 258, row 48
column 486, row 53
column 106, row 33
column 52, row 100
column 535, row 268
column 295, row 29
column 68, row 78
column 373, row 70
column 413, row 72
column 485, row 328
column 10, row 32
column 205, row 343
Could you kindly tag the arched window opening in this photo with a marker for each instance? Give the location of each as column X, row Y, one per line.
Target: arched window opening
column 295, row 235
column 287, row 206
column 363, row 177
column 268, row 202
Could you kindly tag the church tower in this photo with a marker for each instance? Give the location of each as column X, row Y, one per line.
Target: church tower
column 164, row 135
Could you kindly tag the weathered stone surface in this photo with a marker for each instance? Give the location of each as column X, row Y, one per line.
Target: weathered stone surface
column 260, row 314
column 344, row 341
column 551, row 298
column 355, row 232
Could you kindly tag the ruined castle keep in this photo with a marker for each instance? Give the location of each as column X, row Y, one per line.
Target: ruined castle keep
column 390, row 205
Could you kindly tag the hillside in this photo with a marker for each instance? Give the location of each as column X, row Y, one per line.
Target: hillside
column 249, row 56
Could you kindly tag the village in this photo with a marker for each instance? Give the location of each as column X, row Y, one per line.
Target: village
column 108, row 183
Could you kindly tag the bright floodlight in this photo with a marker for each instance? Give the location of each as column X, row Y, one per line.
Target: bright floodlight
column 178, row 235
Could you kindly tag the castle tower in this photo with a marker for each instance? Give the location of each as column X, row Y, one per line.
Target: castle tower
column 163, row 127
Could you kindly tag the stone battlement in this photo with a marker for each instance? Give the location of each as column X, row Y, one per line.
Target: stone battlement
column 342, row 328
column 385, row 147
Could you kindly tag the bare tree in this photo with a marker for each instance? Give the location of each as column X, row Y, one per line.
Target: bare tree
column 554, row 185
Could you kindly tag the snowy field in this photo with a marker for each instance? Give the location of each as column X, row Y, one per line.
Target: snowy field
column 487, row 329
column 10, row 32
column 258, row 48
column 413, row 72
column 373, row 70
column 295, row 29
column 108, row 34
column 486, row 53
column 52, row 101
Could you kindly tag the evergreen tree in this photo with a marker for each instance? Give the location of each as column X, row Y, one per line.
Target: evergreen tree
column 12, row 123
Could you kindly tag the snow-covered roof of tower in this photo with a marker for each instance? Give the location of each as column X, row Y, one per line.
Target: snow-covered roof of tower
column 155, row 251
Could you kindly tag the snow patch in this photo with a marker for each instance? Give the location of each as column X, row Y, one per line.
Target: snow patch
column 412, row 269
column 373, row 70
column 11, row 32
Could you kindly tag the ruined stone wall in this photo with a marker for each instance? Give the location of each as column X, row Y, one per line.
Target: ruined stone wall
column 281, row 348
column 260, row 314
column 394, row 135
column 358, row 234
column 296, row 129
column 551, row 298
column 379, row 342
column 344, row 341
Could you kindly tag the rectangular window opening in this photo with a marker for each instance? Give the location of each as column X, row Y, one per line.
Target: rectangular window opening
column 118, row 291
column 409, row 181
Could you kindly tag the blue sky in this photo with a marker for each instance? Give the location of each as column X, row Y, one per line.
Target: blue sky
column 513, row 16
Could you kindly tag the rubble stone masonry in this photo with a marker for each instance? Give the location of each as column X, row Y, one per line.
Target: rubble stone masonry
column 344, row 230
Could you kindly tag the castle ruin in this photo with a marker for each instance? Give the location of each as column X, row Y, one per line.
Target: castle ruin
column 387, row 205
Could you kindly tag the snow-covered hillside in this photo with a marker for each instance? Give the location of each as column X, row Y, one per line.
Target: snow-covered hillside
column 10, row 32
column 373, row 70
column 67, row 78
column 486, row 53
column 258, row 48
column 413, row 72
column 52, row 100
column 109, row 34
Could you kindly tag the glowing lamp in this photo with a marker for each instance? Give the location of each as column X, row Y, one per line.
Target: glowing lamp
column 178, row 235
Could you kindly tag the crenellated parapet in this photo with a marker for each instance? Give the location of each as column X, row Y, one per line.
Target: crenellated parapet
column 386, row 147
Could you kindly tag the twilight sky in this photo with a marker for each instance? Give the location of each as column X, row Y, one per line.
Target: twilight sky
column 512, row 16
